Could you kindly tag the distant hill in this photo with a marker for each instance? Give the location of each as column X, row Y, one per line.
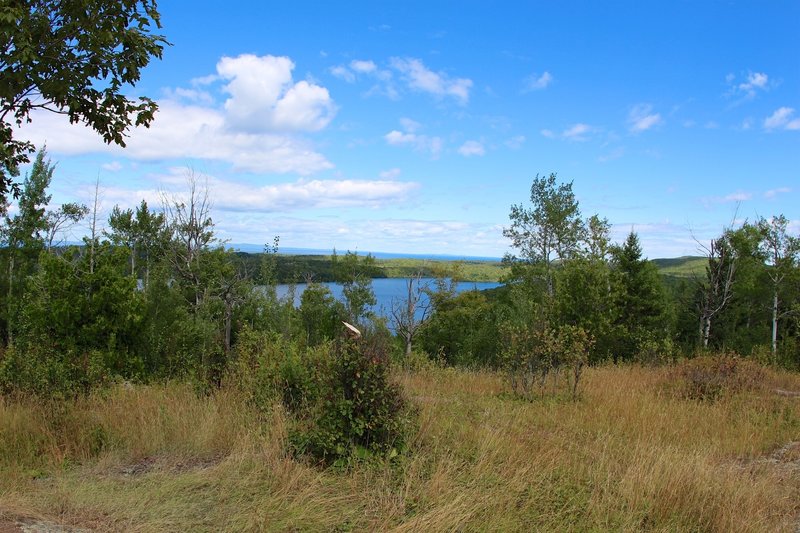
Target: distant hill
column 682, row 267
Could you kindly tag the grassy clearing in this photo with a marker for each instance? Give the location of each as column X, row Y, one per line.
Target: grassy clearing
column 630, row 455
column 682, row 267
column 469, row 270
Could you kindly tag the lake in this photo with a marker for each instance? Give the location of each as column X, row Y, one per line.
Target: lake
column 386, row 290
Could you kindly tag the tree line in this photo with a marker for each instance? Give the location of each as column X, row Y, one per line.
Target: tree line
column 156, row 295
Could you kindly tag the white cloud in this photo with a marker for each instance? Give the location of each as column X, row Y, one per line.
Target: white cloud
column 392, row 173
column 410, row 125
column 420, row 78
column 772, row 193
column 577, row 132
column 641, row 118
column 535, row 83
column 254, row 131
column 343, row 73
column 114, row 166
column 395, row 138
column 471, row 148
column 782, row 118
column 363, row 67
column 516, row 142
column 421, row 143
column 755, row 80
column 747, row 89
column 738, row 196
column 189, row 95
column 183, row 132
column 229, row 195
column 264, row 98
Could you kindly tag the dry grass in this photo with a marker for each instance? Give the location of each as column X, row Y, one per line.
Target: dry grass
column 630, row 455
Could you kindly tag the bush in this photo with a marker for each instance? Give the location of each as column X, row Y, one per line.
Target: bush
column 710, row 377
column 535, row 356
column 358, row 410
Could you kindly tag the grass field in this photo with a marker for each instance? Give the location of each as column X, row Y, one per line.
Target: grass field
column 468, row 270
column 629, row 455
column 682, row 267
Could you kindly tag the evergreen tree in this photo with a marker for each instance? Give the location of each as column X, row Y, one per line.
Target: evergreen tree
column 641, row 299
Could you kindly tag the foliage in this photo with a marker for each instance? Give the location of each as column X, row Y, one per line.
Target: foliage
column 535, row 356
column 641, row 300
column 73, row 58
column 549, row 230
column 359, row 410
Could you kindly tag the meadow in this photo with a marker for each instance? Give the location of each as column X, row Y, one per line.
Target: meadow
column 630, row 454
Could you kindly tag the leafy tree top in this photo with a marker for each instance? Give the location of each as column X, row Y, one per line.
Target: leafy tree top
column 73, row 57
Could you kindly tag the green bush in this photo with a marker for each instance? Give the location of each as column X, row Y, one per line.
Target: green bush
column 358, row 410
column 535, row 356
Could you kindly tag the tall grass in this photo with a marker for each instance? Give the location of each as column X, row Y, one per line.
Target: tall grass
column 629, row 455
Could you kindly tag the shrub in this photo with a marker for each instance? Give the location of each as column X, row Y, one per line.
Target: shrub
column 536, row 356
column 709, row 377
column 358, row 410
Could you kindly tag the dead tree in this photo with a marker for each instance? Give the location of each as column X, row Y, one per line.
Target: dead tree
column 410, row 314
column 717, row 288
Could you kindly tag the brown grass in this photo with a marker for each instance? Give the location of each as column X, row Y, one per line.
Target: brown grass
column 629, row 455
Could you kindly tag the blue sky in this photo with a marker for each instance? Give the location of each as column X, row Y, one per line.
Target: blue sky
column 413, row 126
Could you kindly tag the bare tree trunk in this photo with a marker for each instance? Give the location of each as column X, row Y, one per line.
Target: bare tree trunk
column 775, row 321
column 10, row 308
column 94, row 225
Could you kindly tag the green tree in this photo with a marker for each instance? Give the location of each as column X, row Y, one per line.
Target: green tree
column 641, row 300
column 781, row 252
column 73, row 57
column 320, row 314
column 24, row 234
column 551, row 229
column 355, row 275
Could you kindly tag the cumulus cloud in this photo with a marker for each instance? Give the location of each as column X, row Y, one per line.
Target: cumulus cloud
column 536, row 82
column 642, row 118
column 409, row 137
column 749, row 87
column 263, row 96
column 782, row 118
column 420, row 78
column 255, row 130
column 471, row 148
column 421, row 143
column 363, row 66
column 344, row 73
column 181, row 132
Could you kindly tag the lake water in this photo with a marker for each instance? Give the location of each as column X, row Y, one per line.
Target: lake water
column 386, row 291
